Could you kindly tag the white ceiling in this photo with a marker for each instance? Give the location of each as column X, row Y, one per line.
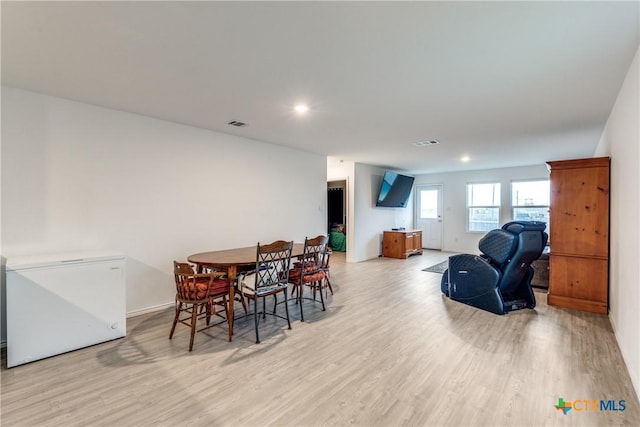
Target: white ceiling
column 507, row 83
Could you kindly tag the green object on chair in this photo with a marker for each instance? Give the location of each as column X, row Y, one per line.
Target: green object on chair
column 338, row 241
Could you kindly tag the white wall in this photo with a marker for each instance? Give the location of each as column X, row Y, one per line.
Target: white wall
column 370, row 221
column 76, row 176
column 621, row 141
column 455, row 237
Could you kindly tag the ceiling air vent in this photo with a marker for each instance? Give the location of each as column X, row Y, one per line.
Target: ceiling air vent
column 427, row 142
column 237, row 123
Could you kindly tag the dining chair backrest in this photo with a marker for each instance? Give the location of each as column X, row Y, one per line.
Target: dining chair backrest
column 324, row 258
column 313, row 255
column 272, row 266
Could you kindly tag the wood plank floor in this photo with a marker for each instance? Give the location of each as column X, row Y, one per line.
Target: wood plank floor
column 390, row 350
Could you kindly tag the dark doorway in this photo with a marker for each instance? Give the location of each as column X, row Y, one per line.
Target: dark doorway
column 335, row 203
column 337, row 215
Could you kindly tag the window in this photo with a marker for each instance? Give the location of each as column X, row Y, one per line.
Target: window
column 530, row 200
column 428, row 204
column 483, row 206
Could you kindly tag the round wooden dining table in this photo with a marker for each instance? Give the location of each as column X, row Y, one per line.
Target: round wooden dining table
column 231, row 260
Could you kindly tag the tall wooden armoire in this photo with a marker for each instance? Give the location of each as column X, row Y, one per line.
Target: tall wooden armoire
column 579, row 234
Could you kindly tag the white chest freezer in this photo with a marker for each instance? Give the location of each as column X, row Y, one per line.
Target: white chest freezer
column 63, row 302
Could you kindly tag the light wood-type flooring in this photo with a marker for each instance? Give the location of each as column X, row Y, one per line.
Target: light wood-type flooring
column 390, row 350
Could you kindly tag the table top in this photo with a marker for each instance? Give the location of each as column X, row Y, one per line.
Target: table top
column 236, row 256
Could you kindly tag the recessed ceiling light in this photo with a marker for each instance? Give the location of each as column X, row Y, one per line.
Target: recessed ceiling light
column 301, row 108
column 465, row 159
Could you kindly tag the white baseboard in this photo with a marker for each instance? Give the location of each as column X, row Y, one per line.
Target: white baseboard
column 148, row 310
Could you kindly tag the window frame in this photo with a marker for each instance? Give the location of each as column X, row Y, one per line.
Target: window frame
column 514, row 206
column 469, row 207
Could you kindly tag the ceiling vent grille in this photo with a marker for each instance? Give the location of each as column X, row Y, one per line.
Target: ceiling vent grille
column 427, row 142
column 237, row 123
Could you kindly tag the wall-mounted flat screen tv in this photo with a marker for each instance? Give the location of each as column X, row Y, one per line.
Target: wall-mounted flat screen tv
column 394, row 190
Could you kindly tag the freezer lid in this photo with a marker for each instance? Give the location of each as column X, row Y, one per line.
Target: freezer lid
column 58, row 259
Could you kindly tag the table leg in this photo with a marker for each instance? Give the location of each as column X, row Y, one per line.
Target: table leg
column 231, row 275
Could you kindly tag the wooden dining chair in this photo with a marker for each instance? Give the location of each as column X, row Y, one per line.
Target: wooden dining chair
column 197, row 296
column 308, row 271
column 269, row 278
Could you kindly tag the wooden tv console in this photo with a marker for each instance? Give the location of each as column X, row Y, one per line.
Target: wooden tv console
column 402, row 243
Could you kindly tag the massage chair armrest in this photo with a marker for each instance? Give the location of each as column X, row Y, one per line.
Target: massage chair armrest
column 470, row 276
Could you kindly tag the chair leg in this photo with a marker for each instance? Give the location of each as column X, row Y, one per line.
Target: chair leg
column 321, row 297
column 300, row 290
column 255, row 318
column 175, row 318
column 264, row 308
column 209, row 307
column 242, row 301
column 286, row 307
column 328, row 286
column 194, row 319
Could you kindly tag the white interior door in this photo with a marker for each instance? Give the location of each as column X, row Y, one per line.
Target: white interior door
column 429, row 215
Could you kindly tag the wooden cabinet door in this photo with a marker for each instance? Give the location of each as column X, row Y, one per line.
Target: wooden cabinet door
column 417, row 241
column 580, row 211
column 409, row 243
